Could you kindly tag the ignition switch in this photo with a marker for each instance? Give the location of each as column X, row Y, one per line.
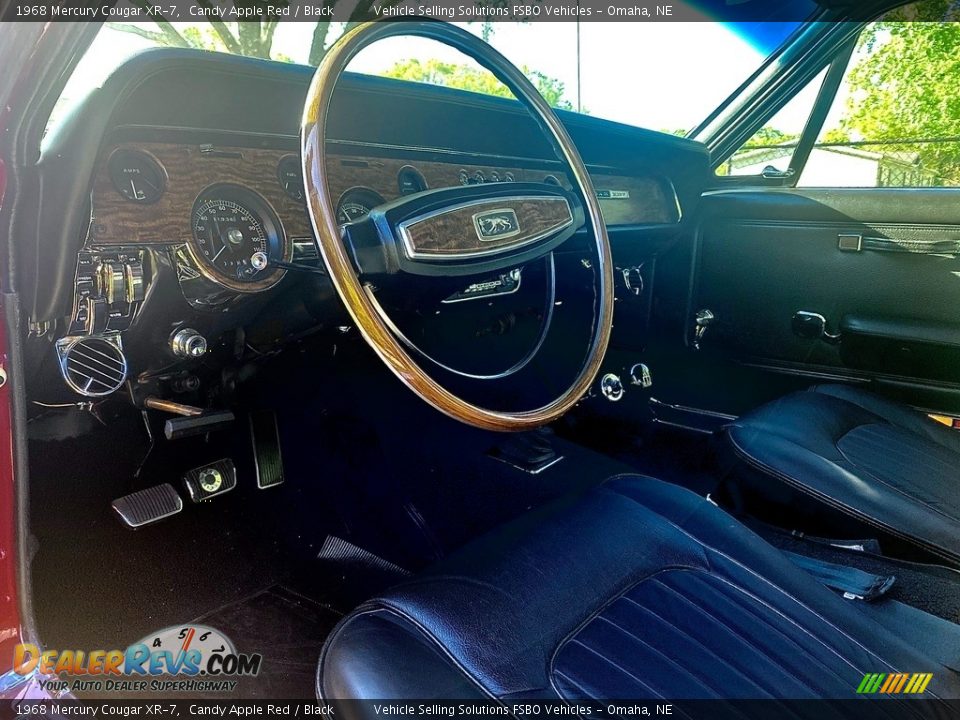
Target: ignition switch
column 188, row 343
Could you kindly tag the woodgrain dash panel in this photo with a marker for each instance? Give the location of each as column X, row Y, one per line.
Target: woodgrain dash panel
column 453, row 233
column 649, row 202
column 380, row 174
column 117, row 221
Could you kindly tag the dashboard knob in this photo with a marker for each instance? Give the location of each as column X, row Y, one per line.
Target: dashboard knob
column 611, row 387
column 111, row 282
column 188, row 343
column 133, row 276
column 97, row 315
column 259, row 261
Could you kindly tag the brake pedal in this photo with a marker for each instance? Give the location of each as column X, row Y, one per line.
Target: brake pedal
column 210, row 480
column 266, row 449
column 147, row 506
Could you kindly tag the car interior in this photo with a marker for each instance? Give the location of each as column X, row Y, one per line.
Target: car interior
column 428, row 393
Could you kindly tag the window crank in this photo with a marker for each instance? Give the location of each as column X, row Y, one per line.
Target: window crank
column 633, row 279
column 702, row 321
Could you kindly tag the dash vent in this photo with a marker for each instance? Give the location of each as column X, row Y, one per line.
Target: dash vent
column 92, row 366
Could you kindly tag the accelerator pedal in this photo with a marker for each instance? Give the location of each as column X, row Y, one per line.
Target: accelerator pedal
column 266, row 448
column 147, row 506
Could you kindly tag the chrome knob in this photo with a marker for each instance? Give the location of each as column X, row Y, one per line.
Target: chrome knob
column 258, row 261
column 640, row 375
column 611, row 387
column 188, row 343
column 133, row 274
column 111, row 282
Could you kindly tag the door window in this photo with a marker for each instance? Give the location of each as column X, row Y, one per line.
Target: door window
column 895, row 121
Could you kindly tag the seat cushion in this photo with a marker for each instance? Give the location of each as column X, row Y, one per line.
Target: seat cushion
column 635, row 589
column 881, row 464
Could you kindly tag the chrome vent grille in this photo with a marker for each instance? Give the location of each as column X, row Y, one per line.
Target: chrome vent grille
column 92, row 366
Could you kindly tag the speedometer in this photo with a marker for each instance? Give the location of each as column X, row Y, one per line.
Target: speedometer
column 230, row 225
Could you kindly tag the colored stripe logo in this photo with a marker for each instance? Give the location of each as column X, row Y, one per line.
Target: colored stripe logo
column 894, row 683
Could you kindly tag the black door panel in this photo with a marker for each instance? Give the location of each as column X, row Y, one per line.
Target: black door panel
column 879, row 265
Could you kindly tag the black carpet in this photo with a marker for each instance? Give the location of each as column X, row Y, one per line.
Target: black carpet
column 288, row 629
column 675, row 455
column 98, row 584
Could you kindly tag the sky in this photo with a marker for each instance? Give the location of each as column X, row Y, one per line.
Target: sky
column 662, row 76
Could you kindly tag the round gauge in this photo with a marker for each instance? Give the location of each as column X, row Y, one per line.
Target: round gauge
column 137, row 176
column 291, row 176
column 230, row 225
column 410, row 180
column 356, row 203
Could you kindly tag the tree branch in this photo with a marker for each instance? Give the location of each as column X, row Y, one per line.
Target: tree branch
column 223, row 32
column 170, row 35
column 153, row 35
column 266, row 35
column 249, row 35
column 318, row 46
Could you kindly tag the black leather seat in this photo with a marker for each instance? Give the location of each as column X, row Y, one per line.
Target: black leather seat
column 635, row 589
column 840, row 459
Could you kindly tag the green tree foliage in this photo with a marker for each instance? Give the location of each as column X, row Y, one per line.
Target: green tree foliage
column 766, row 136
column 904, row 87
column 465, row 77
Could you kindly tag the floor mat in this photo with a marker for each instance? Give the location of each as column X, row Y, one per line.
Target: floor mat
column 288, row 629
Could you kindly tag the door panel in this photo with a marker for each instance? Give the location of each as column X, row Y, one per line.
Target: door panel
column 879, row 265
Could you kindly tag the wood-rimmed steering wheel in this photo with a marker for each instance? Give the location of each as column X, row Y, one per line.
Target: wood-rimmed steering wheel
column 456, row 231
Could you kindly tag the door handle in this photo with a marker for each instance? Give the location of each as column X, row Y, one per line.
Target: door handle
column 812, row 326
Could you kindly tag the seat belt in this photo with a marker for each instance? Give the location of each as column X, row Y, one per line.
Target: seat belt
column 855, row 584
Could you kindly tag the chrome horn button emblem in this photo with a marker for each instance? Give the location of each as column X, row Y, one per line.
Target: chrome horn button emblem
column 496, row 224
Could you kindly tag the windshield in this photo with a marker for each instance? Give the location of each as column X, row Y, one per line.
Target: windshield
column 642, row 74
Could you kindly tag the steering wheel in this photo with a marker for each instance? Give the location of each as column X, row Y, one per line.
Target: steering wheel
column 451, row 232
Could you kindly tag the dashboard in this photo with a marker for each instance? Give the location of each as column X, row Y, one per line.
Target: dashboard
column 187, row 216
